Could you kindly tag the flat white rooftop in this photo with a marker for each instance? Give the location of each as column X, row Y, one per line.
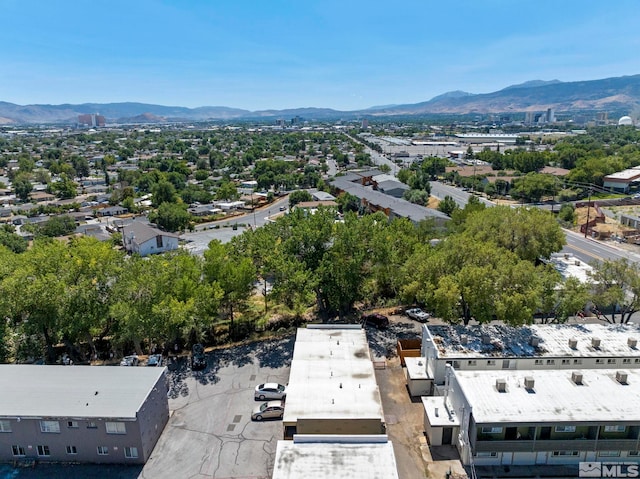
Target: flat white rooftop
column 628, row 174
column 332, row 377
column 74, row 391
column 334, row 460
column 554, row 397
column 553, row 340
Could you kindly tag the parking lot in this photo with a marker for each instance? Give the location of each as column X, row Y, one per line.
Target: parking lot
column 210, row 432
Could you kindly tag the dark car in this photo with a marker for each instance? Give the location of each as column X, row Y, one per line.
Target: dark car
column 198, row 358
column 378, row 320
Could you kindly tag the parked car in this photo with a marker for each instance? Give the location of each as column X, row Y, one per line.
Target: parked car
column 417, row 314
column 268, row 410
column 270, row 391
column 155, row 360
column 378, row 320
column 198, row 358
column 130, row 360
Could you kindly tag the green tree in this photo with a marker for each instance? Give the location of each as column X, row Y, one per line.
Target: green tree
column 57, row 226
column 617, row 288
column 227, row 191
column 11, row 240
column 163, row 192
column 448, row 205
column 299, row 196
column 171, row 216
column 22, row 187
column 234, row 274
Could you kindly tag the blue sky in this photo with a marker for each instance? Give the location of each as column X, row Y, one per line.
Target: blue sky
column 342, row 54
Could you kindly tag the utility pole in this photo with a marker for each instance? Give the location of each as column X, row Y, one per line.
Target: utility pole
column 586, row 226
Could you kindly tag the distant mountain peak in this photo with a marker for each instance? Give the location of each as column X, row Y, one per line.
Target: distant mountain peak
column 532, row 84
column 452, row 94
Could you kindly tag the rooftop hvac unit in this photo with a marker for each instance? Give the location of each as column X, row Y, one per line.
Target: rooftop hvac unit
column 573, row 343
column 632, row 342
column 529, row 382
column 577, row 262
column 567, row 256
column 501, row 385
column 464, row 339
column 486, row 339
column 621, row 377
column 534, row 341
column 576, row 377
column 595, row 342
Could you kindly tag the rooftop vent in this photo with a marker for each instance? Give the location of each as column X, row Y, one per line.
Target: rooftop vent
column 573, row 343
column 621, row 377
column 529, row 383
column 486, row 339
column 534, row 341
column 577, row 262
column 595, row 342
column 632, row 342
column 464, row 339
column 501, row 385
column 576, row 377
column 567, row 256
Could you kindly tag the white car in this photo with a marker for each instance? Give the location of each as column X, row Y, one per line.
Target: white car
column 130, row 360
column 268, row 410
column 270, row 391
column 417, row 314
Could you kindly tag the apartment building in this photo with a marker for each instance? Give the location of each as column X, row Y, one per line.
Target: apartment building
column 534, row 417
column 499, row 347
column 87, row 414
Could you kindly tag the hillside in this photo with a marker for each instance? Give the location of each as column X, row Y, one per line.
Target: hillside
column 618, row 93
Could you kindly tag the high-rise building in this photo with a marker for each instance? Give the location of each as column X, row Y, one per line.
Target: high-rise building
column 92, row 119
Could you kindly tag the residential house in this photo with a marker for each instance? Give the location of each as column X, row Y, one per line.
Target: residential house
column 140, row 238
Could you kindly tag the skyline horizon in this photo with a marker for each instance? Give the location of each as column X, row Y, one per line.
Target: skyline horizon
column 286, row 54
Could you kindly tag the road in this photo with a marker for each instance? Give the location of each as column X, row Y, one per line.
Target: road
column 585, row 249
column 222, row 230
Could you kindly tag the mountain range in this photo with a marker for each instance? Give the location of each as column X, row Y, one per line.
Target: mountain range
column 618, row 94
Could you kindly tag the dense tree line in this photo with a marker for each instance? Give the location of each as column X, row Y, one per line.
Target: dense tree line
column 82, row 293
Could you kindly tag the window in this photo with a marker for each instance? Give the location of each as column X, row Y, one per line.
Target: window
column 43, row 451
column 626, row 361
column 565, row 429
column 611, row 361
column 577, row 361
column 159, row 241
column 5, row 426
column 609, row 454
column 633, row 453
column 18, row 451
column 539, row 362
column 599, row 361
column 551, row 361
column 491, row 430
column 72, row 450
column 103, row 451
column 91, row 425
column 566, row 453
column 616, row 428
column 636, row 360
column 491, row 362
column 471, row 362
column 72, row 424
column 565, row 361
column 130, row 452
column 49, row 426
column 486, row 454
column 115, row 427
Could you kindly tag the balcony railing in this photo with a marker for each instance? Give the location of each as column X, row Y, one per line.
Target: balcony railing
column 558, row 445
